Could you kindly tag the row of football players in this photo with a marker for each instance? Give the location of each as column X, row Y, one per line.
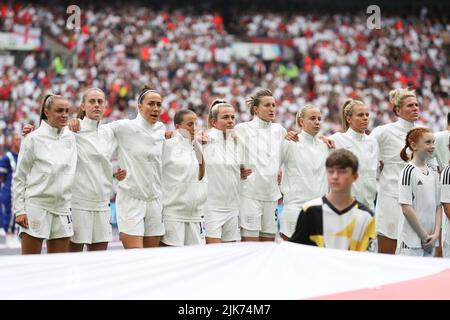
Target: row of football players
column 63, row 181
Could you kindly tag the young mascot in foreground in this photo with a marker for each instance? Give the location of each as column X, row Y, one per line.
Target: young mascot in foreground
column 337, row 220
column 418, row 187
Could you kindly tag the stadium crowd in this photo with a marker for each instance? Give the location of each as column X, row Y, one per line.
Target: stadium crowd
column 187, row 57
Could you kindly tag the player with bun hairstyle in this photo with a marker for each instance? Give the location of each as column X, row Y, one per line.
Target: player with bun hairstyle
column 140, row 145
column 223, row 169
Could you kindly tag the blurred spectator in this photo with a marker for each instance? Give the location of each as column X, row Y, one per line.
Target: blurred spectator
column 58, row 66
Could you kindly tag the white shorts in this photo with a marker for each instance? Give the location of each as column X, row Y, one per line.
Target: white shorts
column 137, row 217
column 289, row 219
column 446, row 250
column 91, row 226
column 387, row 214
column 46, row 225
column 184, row 233
column 260, row 216
column 414, row 252
column 222, row 225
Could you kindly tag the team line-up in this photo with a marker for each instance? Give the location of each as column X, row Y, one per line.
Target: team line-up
column 180, row 188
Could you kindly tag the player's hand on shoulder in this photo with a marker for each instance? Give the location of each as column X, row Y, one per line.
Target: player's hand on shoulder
column 292, row 136
column 27, row 129
column 74, row 125
column 168, row 134
column 202, row 137
column 330, row 143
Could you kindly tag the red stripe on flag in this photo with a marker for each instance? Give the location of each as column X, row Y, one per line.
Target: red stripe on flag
column 434, row 287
